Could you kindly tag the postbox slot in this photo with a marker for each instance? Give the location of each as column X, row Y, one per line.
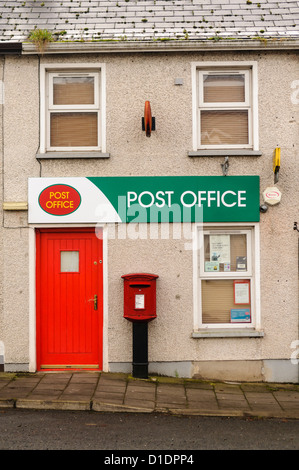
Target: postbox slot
column 140, row 285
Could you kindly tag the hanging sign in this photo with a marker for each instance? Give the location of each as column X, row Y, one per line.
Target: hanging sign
column 144, row 199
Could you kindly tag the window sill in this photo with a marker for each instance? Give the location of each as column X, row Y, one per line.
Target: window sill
column 225, row 153
column 70, row 155
column 226, row 333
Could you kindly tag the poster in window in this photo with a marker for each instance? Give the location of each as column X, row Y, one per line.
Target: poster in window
column 242, row 292
column 240, row 315
column 220, row 248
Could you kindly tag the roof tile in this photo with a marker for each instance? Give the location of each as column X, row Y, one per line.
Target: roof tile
column 145, row 19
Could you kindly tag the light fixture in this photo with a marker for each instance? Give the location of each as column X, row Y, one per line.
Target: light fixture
column 148, row 122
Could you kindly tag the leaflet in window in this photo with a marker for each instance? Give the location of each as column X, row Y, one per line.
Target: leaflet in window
column 241, row 263
column 240, row 315
column 211, row 266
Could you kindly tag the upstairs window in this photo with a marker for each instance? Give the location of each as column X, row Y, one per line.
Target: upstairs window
column 226, row 108
column 72, row 109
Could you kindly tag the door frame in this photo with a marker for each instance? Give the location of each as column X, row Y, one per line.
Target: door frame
column 32, row 286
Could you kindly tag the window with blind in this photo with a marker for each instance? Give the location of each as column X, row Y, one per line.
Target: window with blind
column 73, row 113
column 224, row 108
column 226, row 277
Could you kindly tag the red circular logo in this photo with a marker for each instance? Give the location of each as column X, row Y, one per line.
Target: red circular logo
column 59, row 199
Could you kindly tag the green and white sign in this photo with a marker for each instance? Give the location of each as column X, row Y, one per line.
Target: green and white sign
column 144, row 199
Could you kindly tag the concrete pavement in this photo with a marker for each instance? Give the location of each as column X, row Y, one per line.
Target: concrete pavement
column 108, row 392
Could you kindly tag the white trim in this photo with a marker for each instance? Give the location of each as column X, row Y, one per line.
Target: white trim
column 251, row 87
column 255, row 114
column 65, row 107
column 194, row 104
column 227, row 105
column 196, row 284
column 254, row 277
column 32, row 300
column 54, row 68
column 32, row 289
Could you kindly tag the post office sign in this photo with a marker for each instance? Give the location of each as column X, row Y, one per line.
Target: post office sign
column 144, row 199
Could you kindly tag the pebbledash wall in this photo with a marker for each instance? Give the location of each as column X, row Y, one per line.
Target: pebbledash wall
column 177, row 344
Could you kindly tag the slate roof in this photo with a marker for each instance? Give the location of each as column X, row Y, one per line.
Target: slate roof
column 129, row 20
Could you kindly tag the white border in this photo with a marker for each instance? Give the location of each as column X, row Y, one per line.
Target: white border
column 32, row 289
column 52, row 67
column 255, row 287
column 230, row 65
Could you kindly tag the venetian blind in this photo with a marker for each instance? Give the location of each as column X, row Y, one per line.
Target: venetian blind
column 74, row 129
column 224, row 88
column 73, row 90
column 71, row 127
column 218, row 300
column 224, row 127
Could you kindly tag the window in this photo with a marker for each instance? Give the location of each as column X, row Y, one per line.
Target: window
column 72, row 108
column 225, row 107
column 227, row 277
column 69, row 261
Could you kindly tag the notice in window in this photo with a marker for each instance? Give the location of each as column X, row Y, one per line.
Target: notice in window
column 211, row 266
column 241, row 292
column 241, row 263
column 220, row 248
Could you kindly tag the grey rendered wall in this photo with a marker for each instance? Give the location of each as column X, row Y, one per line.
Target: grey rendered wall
column 132, row 79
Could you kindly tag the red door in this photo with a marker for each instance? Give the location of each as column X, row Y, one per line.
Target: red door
column 69, row 281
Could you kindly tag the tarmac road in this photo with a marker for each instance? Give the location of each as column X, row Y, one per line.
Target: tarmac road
column 112, row 432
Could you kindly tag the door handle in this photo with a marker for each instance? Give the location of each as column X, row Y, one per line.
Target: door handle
column 95, row 302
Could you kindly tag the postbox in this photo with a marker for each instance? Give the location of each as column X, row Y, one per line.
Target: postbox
column 140, row 297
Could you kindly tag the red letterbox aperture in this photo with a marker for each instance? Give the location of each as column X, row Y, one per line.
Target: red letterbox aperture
column 140, row 297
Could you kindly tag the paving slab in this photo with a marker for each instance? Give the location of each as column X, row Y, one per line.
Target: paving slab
column 105, row 392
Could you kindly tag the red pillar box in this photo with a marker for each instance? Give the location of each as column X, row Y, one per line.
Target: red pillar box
column 140, row 297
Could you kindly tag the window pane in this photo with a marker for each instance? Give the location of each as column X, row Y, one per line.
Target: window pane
column 224, row 88
column 218, row 303
column 224, row 127
column 73, row 90
column 225, row 253
column 69, row 261
column 74, row 130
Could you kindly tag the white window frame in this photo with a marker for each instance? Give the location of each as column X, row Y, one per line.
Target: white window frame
column 48, row 72
column 249, row 70
column 253, row 274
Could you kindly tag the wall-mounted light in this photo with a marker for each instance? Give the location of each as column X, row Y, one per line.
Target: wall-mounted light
column 148, row 122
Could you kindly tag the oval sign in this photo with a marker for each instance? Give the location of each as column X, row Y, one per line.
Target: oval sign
column 59, row 199
column 272, row 194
